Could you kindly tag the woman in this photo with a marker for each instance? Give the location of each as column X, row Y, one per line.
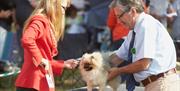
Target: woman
column 40, row 35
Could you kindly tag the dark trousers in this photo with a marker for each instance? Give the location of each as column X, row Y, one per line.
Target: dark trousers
column 25, row 89
column 177, row 45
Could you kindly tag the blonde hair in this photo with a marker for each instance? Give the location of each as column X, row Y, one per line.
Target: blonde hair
column 52, row 10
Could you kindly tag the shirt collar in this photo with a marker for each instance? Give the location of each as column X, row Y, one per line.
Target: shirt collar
column 139, row 19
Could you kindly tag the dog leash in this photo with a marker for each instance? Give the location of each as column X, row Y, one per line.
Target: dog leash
column 79, row 60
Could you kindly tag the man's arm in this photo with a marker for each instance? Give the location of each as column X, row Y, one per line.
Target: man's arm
column 140, row 65
column 115, row 60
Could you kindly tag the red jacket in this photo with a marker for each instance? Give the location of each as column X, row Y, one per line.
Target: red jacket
column 118, row 29
column 37, row 44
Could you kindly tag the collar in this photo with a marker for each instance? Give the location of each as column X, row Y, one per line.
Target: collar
column 139, row 20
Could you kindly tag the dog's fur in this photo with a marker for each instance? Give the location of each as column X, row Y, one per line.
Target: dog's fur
column 94, row 71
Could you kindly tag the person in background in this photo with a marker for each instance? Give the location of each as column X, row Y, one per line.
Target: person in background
column 175, row 33
column 148, row 47
column 6, row 14
column 159, row 9
column 41, row 32
column 117, row 28
column 146, row 6
column 23, row 9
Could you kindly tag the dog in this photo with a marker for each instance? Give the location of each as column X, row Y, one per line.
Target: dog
column 94, row 71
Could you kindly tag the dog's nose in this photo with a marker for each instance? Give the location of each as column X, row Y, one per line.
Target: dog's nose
column 88, row 67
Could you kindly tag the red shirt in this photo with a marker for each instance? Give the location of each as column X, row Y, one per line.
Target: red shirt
column 118, row 29
column 37, row 44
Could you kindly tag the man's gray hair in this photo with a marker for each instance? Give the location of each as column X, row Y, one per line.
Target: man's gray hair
column 138, row 4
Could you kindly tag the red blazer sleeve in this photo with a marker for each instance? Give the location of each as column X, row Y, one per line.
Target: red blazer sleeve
column 57, row 66
column 33, row 31
column 111, row 21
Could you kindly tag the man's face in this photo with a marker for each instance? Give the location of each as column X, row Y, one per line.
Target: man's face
column 123, row 15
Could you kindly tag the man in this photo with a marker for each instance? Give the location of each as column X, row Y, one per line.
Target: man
column 153, row 52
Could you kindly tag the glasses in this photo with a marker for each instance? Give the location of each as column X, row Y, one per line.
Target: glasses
column 121, row 15
column 124, row 11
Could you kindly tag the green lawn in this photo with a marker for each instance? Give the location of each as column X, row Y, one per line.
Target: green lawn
column 69, row 80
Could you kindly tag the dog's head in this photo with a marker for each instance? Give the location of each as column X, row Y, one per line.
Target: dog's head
column 91, row 61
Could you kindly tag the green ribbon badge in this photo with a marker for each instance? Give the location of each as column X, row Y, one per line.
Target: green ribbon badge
column 133, row 50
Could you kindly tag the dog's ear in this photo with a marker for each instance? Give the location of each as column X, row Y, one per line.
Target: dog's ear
column 92, row 58
column 97, row 55
column 85, row 54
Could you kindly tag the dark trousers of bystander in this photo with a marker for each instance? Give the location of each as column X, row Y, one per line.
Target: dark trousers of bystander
column 25, row 89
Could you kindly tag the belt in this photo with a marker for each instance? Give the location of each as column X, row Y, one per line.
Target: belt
column 155, row 77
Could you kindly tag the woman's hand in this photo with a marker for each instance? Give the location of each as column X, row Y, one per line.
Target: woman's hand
column 45, row 64
column 71, row 63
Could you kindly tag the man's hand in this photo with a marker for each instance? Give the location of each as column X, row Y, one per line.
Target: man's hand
column 71, row 63
column 113, row 72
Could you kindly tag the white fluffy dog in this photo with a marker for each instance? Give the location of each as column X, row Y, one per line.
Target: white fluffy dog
column 94, row 70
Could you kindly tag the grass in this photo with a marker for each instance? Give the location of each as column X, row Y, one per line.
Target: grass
column 70, row 79
column 178, row 67
column 7, row 83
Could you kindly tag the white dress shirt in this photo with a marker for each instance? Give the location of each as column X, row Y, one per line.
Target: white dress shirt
column 151, row 41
